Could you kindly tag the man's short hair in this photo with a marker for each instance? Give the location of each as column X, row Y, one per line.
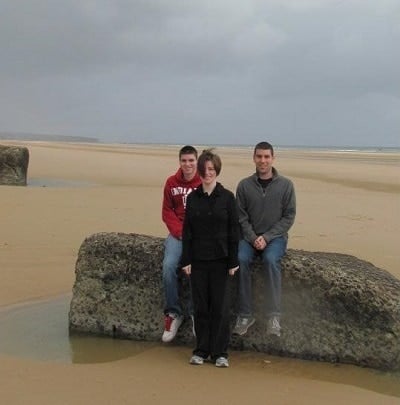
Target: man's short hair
column 188, row 150
column 264, row 146
column 208, row 156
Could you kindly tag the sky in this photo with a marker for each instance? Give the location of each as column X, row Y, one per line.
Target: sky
column 291, row 72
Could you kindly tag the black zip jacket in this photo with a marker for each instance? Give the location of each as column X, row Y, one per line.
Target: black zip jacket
column 211, row 227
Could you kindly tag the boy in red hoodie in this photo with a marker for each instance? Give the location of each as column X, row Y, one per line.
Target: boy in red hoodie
column 176, row 189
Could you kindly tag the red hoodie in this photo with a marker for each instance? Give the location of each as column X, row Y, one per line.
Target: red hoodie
column 176, row 190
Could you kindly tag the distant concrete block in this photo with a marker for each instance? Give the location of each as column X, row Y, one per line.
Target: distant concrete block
column 14, row 162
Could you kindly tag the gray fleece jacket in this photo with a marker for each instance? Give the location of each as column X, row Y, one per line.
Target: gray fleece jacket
column 270, row 214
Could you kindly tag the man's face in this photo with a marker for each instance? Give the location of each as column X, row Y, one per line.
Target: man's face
column 188, row 164
column 263, row 160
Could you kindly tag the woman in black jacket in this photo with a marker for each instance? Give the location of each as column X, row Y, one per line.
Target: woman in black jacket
column 210, row 243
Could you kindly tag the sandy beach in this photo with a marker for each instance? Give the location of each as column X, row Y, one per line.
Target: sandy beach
column 347, row 203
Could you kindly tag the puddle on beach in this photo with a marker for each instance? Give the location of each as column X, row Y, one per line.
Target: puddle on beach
column 45, row 182
column 39, row 330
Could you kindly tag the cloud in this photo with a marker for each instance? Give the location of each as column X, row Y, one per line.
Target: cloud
column 223, row 71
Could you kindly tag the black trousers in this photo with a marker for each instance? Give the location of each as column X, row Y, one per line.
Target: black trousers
column 209, row 281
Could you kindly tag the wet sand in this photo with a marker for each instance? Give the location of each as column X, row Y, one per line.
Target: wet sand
column 38, row 330
column 347, row 202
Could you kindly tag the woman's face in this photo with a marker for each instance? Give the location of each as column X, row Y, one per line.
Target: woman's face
column 210, row 175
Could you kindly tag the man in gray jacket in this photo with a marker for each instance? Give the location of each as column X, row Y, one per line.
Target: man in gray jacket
column 267, row 208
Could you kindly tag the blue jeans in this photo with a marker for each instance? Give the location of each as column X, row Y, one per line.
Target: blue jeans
column 172, row 256
column 271, row 257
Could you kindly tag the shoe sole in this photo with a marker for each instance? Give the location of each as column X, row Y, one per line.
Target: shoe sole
column 247, row 328
column 168, row 339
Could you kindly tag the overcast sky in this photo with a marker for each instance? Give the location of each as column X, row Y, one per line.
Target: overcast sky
column 294, row 72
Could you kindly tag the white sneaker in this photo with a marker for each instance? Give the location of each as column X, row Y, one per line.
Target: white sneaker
column 196, row 360
column 274, row 327
column 222, row 362
column 172, row 324
column 243, row 323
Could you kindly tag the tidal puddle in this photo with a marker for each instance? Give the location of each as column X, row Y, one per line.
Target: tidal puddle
column 39, row 330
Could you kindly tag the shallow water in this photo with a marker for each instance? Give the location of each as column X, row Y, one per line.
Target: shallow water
column 39, row 330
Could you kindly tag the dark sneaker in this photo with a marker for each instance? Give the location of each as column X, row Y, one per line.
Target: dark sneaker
column 222, row 362
column 172, row 324
column 196, row 360
column 242, row 325
column 273, row 326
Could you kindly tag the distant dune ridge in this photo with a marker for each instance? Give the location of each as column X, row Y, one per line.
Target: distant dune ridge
column 25, row 136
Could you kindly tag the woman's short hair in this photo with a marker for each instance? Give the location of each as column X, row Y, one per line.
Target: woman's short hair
column 208, row 156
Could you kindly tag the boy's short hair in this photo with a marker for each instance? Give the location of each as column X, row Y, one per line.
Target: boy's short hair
column 264, row 146
column 208, row 156
column 188, row 150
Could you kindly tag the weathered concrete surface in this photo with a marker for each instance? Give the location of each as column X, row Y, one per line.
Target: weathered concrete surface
column 335, row 307
column 14, row 162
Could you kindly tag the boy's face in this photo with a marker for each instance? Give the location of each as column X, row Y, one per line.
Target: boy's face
column 188, row 164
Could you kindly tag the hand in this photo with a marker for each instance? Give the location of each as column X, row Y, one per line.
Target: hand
column 233, row 270
column 260, row 243
column 187, row 269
